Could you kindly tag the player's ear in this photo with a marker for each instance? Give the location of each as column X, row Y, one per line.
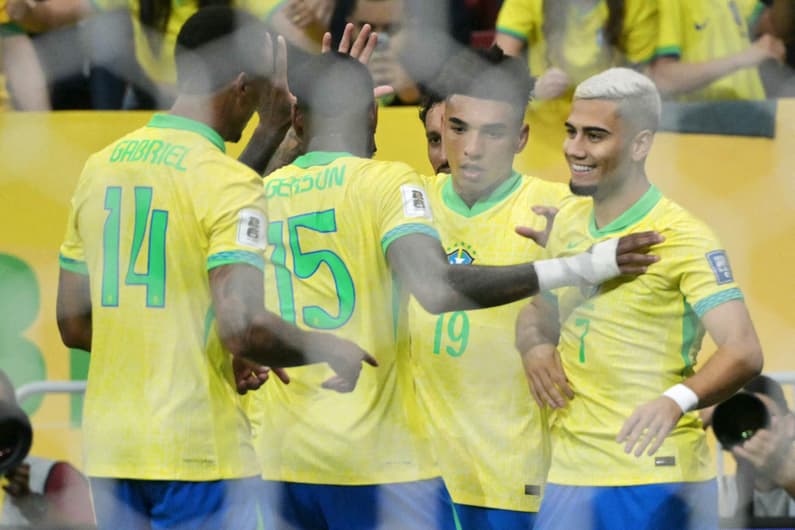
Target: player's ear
column 641, row 145
column 524, row 135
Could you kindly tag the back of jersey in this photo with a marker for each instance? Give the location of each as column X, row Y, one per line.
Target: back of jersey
column 332, row 219
column 152, row 213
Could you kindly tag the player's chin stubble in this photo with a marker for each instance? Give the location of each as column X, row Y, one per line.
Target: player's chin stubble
column 583, row 191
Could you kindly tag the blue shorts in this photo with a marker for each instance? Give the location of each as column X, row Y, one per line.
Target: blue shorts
column 479, row 518
column 680, row 505
column 423, row 504
column 126, row 504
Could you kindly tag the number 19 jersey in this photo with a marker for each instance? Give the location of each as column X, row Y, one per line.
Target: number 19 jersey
column 333, row 217
column 152, row 213
column 490, row 437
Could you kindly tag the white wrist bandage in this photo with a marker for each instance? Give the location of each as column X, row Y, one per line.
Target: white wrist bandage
column 582, row 270
column 683, row 396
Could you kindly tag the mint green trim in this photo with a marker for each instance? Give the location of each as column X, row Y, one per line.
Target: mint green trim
column 690, row 324
column 635, row 213
column 72, row 265
column 319, row 158
column 172, row 121
column 512, row 33
column 753, row 18
column 453, row 201
column 668, row 51
column 406, row 230
column 10, row 29
column 456, row 520
column 702, row 307
column 236, row 256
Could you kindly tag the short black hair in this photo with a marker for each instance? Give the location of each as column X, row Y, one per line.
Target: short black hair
column 215, row 45
column 768, row 386
column 333, row 84
column 488, row 73
column 430, row 98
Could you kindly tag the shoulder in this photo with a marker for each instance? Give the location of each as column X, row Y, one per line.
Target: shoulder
column 546, row 192
column 675, row 221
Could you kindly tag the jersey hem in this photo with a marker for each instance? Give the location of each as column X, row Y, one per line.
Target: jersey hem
column 73, row 265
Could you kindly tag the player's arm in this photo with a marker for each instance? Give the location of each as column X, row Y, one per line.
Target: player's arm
column 247, row 330
column 738, row 358
column 26, row 79
column 537, row 334
column 673, row 76
column 73, row 309
column 421, row 264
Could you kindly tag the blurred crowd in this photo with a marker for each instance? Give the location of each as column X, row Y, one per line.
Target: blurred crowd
column 119, row 54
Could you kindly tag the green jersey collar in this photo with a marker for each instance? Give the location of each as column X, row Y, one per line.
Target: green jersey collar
column 454, row 202
column 635, row 213
column 170, row 121
column 319, row 158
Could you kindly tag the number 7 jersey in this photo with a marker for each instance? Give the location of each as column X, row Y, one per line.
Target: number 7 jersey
column 152, row 213
column 333, row 217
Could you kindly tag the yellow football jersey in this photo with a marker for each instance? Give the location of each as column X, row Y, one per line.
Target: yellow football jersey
column 696, row 31
column 152, row 213
column 626, row 342
column 583, row 53
column 490, row 437
column 332, row 219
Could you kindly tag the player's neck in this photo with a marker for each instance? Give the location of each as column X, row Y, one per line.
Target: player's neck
column 613, row 202
column 356, row 144
column 200, row 109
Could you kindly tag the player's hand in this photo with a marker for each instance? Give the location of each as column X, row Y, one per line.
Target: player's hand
column 771, row 453
column 275, row 107
column 344, row 357
column 361, row 50
column 545, row 375
column 18, row 481
column 250, row 375
column 539, row 236
column 552, row 84
column 765, row 47
column 631, row 252
column 649, row 425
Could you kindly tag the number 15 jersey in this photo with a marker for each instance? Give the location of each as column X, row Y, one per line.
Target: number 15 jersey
column 333, row 217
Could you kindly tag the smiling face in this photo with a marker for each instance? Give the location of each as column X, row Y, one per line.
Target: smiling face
column 481, row 138
column 597, row 147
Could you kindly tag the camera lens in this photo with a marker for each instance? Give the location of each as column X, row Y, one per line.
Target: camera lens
column 16, row 436
column 738, row 418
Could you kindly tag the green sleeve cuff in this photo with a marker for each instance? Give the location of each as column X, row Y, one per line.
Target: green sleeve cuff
column 236, row 256
column 72, row 265
column 702, row 307
column 10, row 29
column 405, row 230
column 668, row 51
column 512, row 33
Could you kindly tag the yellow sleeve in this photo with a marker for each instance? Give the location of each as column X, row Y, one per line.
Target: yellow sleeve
column 702, row 268
column 233, row 215
column 72, row 254
column 671, row 32
column 402, row 205
column 640, row 30
column 516, row 19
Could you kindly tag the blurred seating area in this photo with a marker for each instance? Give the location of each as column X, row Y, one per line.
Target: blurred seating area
column 118, row 54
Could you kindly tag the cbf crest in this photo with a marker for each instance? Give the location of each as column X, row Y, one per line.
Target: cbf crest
column 461, row 254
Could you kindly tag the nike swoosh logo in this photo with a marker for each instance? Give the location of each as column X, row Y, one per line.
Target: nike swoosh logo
column 573, row 244
column 701, row 26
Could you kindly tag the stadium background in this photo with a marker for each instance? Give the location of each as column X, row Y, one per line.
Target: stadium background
column 743, row 186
